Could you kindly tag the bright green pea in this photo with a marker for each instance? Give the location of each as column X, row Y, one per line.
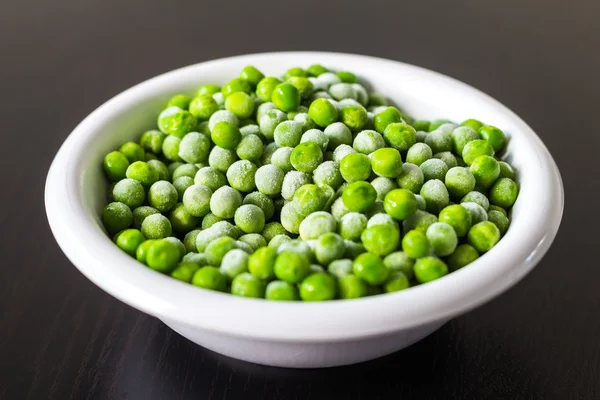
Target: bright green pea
column 317, row 287
column 322, row 112
column 129, row 240
column 115, row 165
column 421, row 125
column 463, row 255
column 419, row 153
column 359, row 196
column 397, row 281
column 472, row 123
column 129, row 192
column 189, row 240
column 354, row 117
column 240, row 104
column 476, row 148
column 483, row 236
column 133, row 151
column 261, row 263
column 400, row 136
column 291, row 267
column 295, row 71
column 181, row 220
column 461, row 136
column 370, row 268
column 306, row 157
column 303, row 84
column 486, row 170
column 163, row 256
column 226, row 135
column 381, row 239
column 388, row 116
column 251, row 75
column 176, row 122
column 415, row 244
column 179, row 100
column 351, row 286
column 281, row 291
column 210, row 278
column 309, row 198
column 494, row 136
column 185, row 272
column 457, row 217
column 286, row 97
column 265, row 88
column 506, row 171
column 142, row 250
column 316, row 70
column 420, row 220
column 203, row 107
column 140, row 213
column 355, row 167
column 236, row 85
column 216, row 250
column 152, row 141
column 208, row 89
column 427, row 269
column 504, row 193
column 400, row 204
column 143, row 173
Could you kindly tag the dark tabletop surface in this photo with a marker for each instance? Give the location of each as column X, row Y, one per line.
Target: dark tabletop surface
column 61, row 337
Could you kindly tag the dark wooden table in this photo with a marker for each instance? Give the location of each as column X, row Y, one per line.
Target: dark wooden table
column 63, row 338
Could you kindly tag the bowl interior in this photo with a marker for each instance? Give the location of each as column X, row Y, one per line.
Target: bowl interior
column 422, row 93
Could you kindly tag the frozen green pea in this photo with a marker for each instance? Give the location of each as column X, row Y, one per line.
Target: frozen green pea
column 152, row 141
column 222, row 116
column 399, row 261
column 439, row 141
column 194, row 148
column 359, row 196
column 181, row 184
column 221, row 159
column 472, row 123
column 250, row 218
column 329, row 78
column 338, row 209
column 306, row 157
column 476, row 148
column 328, row 173
column 355, row 167
column 236, row 85
column 376, row 209
column 129, row 192
column 161, row 169
column 188, row 170
column 361, row 94
column 273, row 229
column 411, row 178
column 162, row 256
column 170, row 148
column 478, row 213
column 115, row 165
column 210, row 278
column 116, row 216
column 486, row 170
column 317, row 287
column 377, row 99
column 462, row 256
column 421, row 125
column 287, row 134
column 420, row 220
column 241, row 176
column 270, row 121
column 421, row 205
column 383, row 186
column 381, row 219
column 400, row 204
column 189, row 240
column 278, row 240
column 269, row 179
column 427, row 269
column 434, row 168
column 291, row 267
column 367, row 141
column 286, row 97
column 263, row 109
column 370, row 268
column 353, row 249
column 443, row 238
column 177, row 122
column 140, row 213
column 209, row 220
column 459, row 181
column 457, row 217
column 163, row 196
column 194, row 258
column 132, row 151
column 352, row 225
column 216, row 250
column 418, row 153
column 499, row 219
column 210, row 177
column 448, row 158
column 415, row 244
column 461, row 136
column 436, row 123
column 303, row 84
column 396, row 281
column 203, row 107
column 255, row 240
column 494, row 136
column 316, row 224
column 329, row 247
column 234, row 263
column 355, row 117
column 496, row 208
column 340, row 268
column 291, row 218
column 268, row 152
column 292, row 181
column 478, row 198
column 224, row 201
column 435, row 194
column 421, row 135
column 196, row 200
column 506, row 171
column 381, row 239
column 503, row 193
column 262, row 201
column 338, row 134
column 483, row 236
column 386, row 117
column 340, row 91
column 156, row 226
column 265, row 88
column 304, row 120
column 181, row 220
column 316, row 136
column 142, row 172
column 400, row 136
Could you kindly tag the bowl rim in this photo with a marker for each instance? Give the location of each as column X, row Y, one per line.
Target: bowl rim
column 176, row 302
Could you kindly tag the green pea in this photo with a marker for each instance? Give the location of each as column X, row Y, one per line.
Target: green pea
column 209, row 220
column 163, row 196
column 189, row 240
column 226, row 135
column 494, row 136
column 179, row 100
column 400, row 136
column 181, row 220
column 196, row 200
column 434, row 168
column 499, row 209
column 435, row 194
column 442, row 237
column 421, row 125
column 506, row 171
column 115, row 165
column 143, row 173
column 133, row 151
column 161, row 169
column 381, row 239
column 399, row 261
column 316, row 70
column 499, row 219
column 400, row 204
column 351, row 286
column 250, row 148
column 287, row 134
column 472, row 123
column 463, row 255
column 152, row 141
column 427, row 269
column 210, row 278
column 338, row 135
column 309, row 198
column 141, row 253
column 281, row 291
column 436, row 123
column 265, row 88
column 185, row 272
column 250, row 218
column 352, row 225
column 439, row 141
column 236, row 85
column 203, row 107
column 411, row 178
column 483, row 236
column 241, row 176
column 187, row 170
column 419, row 153
column 176, row 122
column 263, row 201
column 477, row 198
column 415, row 244
column 273, row 229
column 486, row 170
column 129, row 240
column 370, row 268
column 291, row 267
column 240, row 104
column 388, row 116
column 476, row 148
column 251, row 75
column 303, row 84
column 208, row 89
column 355, row 117
column 329, row 247
column 129, row 192
column 210, row 177
column 170, row 148
column 286, row 97
column 306, row 157
column 355, row 167
column 459, row 181
column 420, row 220
column 140, row 213
column 317, row 287
column 156, row 226
column 234, row 263
column 504, row 193
column 322, row 112
column 163, row 256
column 397, row 281
column 359, row 196
column 261, row 263
column 457, row 217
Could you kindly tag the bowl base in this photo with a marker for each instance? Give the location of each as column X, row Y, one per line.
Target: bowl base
column 292, row 354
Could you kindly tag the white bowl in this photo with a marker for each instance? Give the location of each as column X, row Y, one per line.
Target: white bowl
column 299, row 334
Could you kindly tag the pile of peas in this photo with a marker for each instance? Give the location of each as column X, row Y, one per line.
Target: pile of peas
column 306, row 187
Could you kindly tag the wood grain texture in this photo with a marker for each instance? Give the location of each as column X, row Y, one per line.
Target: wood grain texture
column 63, row 338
